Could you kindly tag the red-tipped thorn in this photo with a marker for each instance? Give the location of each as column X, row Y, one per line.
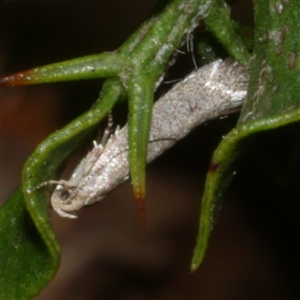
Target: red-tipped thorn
column 21, row 78
column 140, row 203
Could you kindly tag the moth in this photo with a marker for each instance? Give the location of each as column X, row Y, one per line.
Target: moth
column 212, row 91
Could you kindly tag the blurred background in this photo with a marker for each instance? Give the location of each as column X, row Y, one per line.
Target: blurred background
column 253, row 252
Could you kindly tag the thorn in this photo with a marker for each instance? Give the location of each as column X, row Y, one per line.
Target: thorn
column 140, row 203
column 193, row 268
column 21, row 78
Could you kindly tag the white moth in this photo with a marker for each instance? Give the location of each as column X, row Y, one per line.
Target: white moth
column 214, row 90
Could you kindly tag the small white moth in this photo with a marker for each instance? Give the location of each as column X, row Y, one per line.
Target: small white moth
column 214, row 90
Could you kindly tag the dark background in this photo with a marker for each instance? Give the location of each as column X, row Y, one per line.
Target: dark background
column 253, row 252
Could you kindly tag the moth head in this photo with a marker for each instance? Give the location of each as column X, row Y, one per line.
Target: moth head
column 63, row 201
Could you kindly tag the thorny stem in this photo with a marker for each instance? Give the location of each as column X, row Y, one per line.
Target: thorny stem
column 152, row 44
column 138, row 67
column 144, row 55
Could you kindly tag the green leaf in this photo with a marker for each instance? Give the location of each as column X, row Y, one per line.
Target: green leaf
column 273, row 101
column 27, row 264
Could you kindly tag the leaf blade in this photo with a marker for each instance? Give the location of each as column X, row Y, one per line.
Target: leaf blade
column 267, row 108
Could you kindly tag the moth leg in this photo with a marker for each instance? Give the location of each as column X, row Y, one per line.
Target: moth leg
column 64, row 214
column 64, row 203
column 108, row 129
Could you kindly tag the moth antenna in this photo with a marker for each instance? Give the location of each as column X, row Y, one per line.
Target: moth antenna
column 53, row 182
column 190, row 48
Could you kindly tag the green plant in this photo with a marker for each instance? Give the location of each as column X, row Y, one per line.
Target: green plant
column 133, row 70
